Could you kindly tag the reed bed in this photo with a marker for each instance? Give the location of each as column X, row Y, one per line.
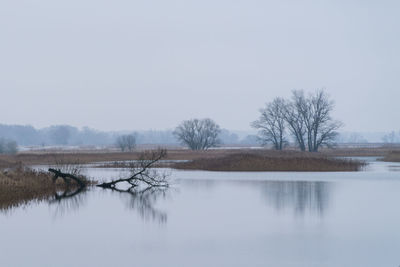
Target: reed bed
column 21, row 185
column 393, row 156
column 43, row 157
column 259, row 162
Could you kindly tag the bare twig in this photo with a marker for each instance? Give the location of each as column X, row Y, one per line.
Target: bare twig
column 141, row 172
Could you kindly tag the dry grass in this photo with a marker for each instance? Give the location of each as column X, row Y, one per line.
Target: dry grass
column 264, row 162
column 361, row 152
column 41, row 157
column 394, row 156
column 22, row 185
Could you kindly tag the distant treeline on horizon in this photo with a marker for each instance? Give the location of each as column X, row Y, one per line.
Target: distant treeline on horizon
column 27, row 135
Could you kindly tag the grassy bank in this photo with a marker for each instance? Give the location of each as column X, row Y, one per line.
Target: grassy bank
column 22, row 185
column 392, row 157
column 278, row 162
column 40, row 157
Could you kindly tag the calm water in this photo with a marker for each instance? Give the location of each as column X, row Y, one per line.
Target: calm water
column 217, row 219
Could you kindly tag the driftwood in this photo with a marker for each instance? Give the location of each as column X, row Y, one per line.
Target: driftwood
column 67, row 177
column 141, row 172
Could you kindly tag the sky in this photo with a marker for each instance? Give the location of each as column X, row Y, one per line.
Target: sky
column 135, row 65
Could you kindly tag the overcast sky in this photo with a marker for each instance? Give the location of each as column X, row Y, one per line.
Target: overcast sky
column 126, row 64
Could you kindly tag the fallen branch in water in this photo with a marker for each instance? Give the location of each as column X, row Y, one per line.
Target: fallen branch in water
column 141, row 172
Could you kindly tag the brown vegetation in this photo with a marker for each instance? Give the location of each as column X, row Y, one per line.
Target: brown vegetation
column 394, row 156
column 36, row 158
column 262, row 162
column 20, row 185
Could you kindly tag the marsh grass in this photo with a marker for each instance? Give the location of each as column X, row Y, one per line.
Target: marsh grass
column 20, row 185
column 279, row 162
column 393, row 156
column 94, row 156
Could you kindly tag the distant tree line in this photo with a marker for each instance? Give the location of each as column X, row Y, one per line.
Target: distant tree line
column 55, row 135
column 305, row 118
column 62, row 135
column 126, row 142
column 8, row 146
column 391, row 138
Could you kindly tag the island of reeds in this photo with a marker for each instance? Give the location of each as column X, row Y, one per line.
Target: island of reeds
column 299, row 162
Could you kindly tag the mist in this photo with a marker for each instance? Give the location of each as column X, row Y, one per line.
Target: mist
column 130, row 65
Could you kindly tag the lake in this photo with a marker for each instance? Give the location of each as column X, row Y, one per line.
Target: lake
column 216, row 219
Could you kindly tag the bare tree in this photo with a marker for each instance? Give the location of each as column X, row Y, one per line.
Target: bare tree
column 295, row 123
column 126, row 142
column 142, row 172
column 314, row 113
column 308, row 119
column 272, row 124
column 198, row 134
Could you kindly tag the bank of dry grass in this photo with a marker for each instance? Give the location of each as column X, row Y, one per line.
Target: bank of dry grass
column 43, row 157
column 393, row 156
column 278, row 162
column 21, row 185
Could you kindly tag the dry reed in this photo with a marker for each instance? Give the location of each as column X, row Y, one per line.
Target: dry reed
column 259, row 162
column 393, row 156
column 21, row 185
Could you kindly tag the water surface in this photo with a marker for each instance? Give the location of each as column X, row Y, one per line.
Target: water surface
column 216, row 219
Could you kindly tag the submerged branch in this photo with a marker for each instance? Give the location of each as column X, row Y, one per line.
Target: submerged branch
column 141, row 173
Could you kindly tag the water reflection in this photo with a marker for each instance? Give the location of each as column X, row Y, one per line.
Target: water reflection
column 394, row 168
column 140, row 201
column 299, row 196
column 143, row 202
column 67, row 200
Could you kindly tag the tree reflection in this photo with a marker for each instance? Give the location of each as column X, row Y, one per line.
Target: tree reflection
column 143, row 202
column 301, row 196
column 68, row 199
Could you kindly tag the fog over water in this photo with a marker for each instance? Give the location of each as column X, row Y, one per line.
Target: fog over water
column 150, row 64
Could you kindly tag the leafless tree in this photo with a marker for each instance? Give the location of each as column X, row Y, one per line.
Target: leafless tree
column 272, row 124
column 198, row 134
column 308, row 119
column 142, row 172
column 315, row 113
column 295, row 121
column 126, row 142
